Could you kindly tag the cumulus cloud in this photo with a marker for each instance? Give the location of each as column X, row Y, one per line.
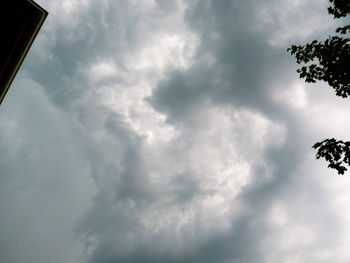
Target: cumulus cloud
column 170, row 131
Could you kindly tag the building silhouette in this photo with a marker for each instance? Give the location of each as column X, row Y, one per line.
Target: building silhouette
column 20, row 22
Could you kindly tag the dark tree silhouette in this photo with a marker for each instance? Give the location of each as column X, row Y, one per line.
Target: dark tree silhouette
column 329, row 61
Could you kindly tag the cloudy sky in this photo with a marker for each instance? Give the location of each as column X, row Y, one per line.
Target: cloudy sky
column 171, row 131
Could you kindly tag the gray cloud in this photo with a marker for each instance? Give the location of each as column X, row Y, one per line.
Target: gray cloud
column 42, row 171
column 167, row 131
column 235, row 63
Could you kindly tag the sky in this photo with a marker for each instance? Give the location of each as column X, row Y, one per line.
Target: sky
column 171, row 131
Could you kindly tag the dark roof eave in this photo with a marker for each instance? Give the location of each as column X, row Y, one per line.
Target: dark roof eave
column 20, row 34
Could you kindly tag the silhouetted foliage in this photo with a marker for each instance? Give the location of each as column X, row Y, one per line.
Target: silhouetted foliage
column 329, row 61
column 335, row 152
column 339, row 8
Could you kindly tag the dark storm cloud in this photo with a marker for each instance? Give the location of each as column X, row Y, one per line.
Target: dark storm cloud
column 235, row 63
